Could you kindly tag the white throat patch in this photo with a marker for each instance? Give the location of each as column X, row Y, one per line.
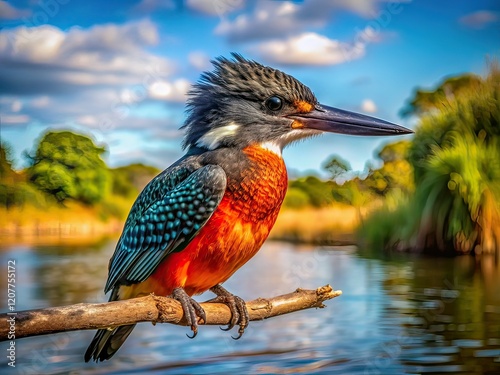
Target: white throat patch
column 212, row 139
column 276, row 146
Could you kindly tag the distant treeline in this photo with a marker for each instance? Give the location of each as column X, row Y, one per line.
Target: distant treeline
column 67, row 167
column 439, row 192
column 358, row 189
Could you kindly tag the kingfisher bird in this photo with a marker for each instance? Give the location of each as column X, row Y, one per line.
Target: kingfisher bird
column 207, row 214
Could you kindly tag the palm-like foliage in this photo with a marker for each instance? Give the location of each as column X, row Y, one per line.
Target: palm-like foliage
column 458, row 198
column 456, row 159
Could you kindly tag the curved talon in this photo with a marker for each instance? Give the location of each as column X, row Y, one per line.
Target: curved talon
column 192, row 310
column 195, row 332
column 240, row 333
column 235, row 317
column 235, row 314
column 228, row 328
column 239, row 312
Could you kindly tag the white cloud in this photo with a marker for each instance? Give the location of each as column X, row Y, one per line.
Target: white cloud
column 94, row 78
column 309, row 49
column 48, row 60
column 88, row 120
column 9, row 12
column 363, row 8
column 175, row 91
column 199, row 60
column 270, row 19
column 160, row 89
column 43, row 45
column 16, row 106
column 369, row 106
column 479, row 19
column 40, row 101
column 10, row 111
column 280, row 19
column 215, row 7
column 15, row 119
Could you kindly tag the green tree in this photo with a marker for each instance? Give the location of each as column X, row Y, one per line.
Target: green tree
column 129, row 180
column 14, row 190
column 318, row 192
column 424, row 101
column 396, row 173
column 7, row 189
column 6, row 170
column 336, row 167
column 70, row 166
column 296, row 198
column 344, row 189
column 351, row 192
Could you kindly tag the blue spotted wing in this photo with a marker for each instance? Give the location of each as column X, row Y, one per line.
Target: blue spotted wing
column 168, row 213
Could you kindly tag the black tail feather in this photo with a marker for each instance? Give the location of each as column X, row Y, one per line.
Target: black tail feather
column 107, row 342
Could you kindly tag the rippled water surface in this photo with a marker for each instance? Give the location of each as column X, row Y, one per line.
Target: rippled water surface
column 399, row 315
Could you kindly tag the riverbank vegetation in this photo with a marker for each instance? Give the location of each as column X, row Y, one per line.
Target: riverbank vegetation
column 455, row 156
column 438, row 192
column 67, row 189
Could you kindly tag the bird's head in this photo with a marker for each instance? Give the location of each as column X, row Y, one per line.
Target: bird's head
column 242, row 103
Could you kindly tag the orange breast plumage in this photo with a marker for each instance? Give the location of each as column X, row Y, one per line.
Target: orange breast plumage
column 233, row 235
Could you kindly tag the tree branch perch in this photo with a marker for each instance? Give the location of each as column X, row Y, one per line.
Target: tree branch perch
column 151, row 308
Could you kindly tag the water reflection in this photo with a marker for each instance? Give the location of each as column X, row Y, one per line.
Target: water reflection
column 445, row 302
column 399, row 315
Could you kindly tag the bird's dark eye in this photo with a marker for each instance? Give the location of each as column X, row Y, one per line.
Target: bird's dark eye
column 274, row 103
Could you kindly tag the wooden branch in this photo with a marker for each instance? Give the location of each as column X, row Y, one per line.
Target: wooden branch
column 151, row 308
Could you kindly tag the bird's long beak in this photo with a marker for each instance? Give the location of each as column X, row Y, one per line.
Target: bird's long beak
column 336, row 120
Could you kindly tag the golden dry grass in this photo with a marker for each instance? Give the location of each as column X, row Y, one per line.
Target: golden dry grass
column 71, row 220
column 329, row 225
column 333, row 224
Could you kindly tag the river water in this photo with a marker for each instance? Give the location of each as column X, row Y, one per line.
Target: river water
column 403, row 314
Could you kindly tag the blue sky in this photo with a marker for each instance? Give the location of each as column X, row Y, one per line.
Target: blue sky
column 119, row 70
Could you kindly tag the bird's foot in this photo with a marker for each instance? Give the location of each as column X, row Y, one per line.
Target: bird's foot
column 192, row 310
column 239, row 312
